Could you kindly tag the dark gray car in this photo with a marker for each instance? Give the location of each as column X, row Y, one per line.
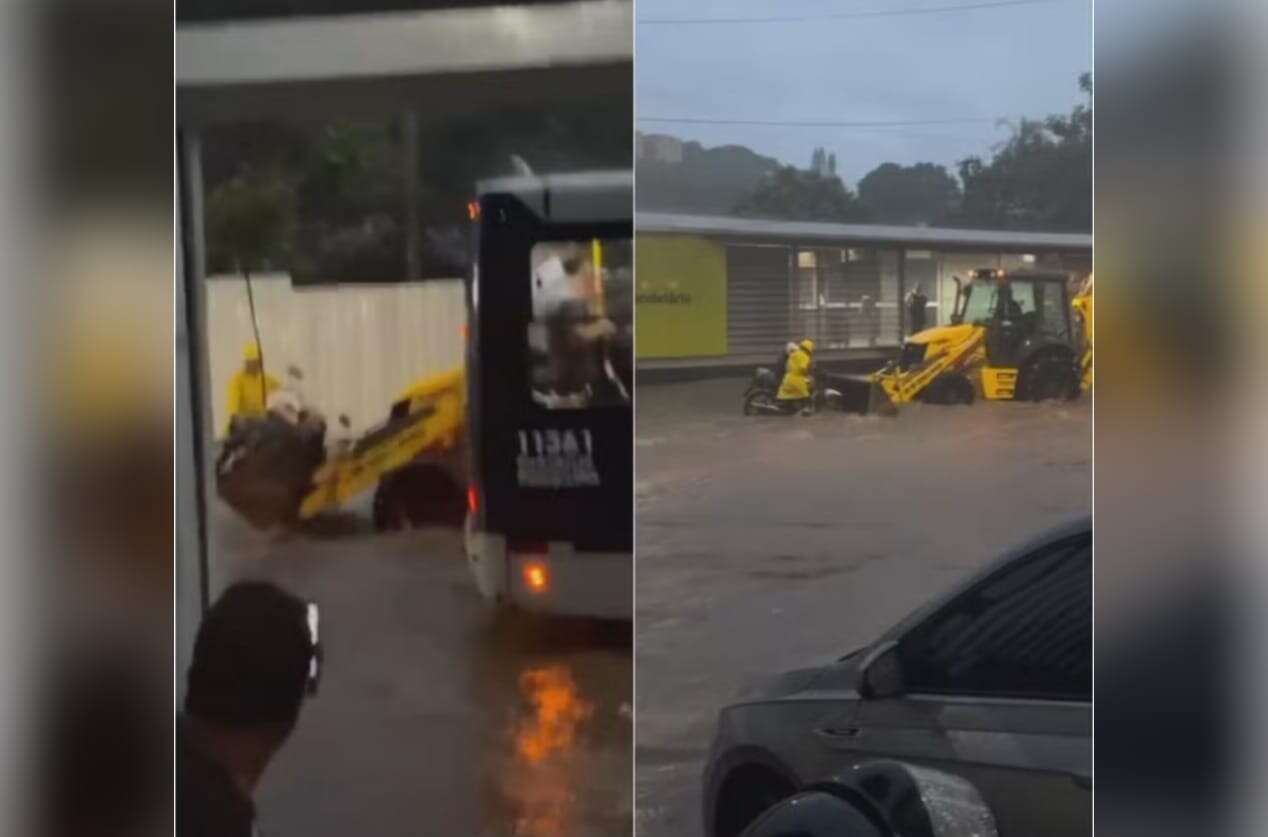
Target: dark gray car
column 991, row 682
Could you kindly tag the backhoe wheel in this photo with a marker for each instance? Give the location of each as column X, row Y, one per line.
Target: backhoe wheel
column 417, row 495
column 949, row 388
column 1049, row 377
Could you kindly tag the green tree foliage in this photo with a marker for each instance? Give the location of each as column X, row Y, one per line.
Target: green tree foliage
column 1041, row 178
column 250, row 221
column 798, row 195
column 709, row 181
column 351, row 202
column 567, row 137
column 351, row 171
column 921, row 194
column 344, row 185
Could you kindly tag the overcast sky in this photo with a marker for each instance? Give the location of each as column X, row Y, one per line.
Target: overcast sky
column 1003, row 62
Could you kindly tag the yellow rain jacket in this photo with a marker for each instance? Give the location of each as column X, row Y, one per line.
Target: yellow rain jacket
column 247, row 396
column 796, row 383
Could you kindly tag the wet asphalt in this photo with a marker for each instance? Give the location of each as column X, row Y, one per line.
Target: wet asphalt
column 765, row 544
column 434, row 716
column 762, row 545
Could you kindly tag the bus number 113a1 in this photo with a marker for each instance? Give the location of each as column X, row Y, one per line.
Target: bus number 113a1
column 556, row 459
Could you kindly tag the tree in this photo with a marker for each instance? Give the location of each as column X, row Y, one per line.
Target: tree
column 250, row 222
column 352, row 204
column 328, row 201
column 832, row 164
column 1041, row 178
column 921, row 194
column 706, row 180
column 795, row 195
column 460, row 152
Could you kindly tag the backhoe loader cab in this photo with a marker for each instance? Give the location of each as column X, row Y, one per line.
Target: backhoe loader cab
column 1010, row 337
column 1020, row 312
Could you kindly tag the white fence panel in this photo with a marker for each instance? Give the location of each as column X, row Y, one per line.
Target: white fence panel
column 357, row 345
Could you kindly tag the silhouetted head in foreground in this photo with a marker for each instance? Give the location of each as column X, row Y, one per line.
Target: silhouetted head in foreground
column 246, row 683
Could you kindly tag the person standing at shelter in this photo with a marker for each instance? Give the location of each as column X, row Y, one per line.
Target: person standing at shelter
column 916, row 303
column 871, row 319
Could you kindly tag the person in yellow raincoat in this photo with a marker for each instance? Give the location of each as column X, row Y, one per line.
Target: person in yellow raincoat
column 796, row 383
column 249, row 387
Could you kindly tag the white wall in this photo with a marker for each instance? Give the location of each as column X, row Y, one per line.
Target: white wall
column 358, row 345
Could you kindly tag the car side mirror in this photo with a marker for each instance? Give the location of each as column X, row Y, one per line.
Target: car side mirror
column 881, row 672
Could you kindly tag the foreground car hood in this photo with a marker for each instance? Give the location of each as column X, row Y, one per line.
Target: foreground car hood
column 841, row 675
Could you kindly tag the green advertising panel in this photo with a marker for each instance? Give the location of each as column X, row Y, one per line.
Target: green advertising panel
column 680, row 297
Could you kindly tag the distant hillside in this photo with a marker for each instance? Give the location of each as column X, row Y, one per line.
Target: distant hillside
column 709, row 181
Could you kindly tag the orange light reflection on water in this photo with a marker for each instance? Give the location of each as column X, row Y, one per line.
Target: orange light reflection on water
column 545, row 742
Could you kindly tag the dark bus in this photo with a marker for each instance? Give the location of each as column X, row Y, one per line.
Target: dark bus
column 550, row 368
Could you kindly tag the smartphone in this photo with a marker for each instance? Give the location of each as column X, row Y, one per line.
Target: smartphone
column 314, row 664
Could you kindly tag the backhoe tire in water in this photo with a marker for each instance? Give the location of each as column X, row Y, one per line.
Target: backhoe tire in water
column 416, row 496
column 1051, row 376
column 949, row 388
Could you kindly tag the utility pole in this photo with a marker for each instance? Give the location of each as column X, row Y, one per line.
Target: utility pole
column 413, row 228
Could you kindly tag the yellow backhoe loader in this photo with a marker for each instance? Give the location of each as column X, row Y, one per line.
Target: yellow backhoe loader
column 275, row 471
column 1082, row 303
column 1011, row 337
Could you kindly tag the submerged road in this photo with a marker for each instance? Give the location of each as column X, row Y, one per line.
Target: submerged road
column 765, row 544
column 432, row 716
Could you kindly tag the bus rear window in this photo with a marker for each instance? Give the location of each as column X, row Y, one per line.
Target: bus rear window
column 581, row 337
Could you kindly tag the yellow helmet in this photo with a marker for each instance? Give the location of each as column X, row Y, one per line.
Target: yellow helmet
column 251, row 351
column 808, row 345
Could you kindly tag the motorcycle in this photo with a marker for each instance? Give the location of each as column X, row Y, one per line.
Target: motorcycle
column 760, row 396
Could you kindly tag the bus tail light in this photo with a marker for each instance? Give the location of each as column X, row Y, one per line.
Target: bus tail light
column 473, row 499
column 536, row 577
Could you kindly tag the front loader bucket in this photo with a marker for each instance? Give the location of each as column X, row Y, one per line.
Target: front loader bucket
column 265, row 469
column 862, row 395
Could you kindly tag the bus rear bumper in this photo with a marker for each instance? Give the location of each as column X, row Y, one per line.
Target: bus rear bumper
column 486, row 556
column 560, row 580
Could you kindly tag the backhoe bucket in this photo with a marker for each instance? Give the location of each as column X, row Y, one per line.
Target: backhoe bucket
column 264, row 469
column 862, row 395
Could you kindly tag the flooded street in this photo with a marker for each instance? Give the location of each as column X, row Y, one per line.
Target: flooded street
column 433, row 716
column 764, row 544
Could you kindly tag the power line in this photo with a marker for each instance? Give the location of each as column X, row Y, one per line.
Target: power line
column 994, row 4
column 819, row 123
